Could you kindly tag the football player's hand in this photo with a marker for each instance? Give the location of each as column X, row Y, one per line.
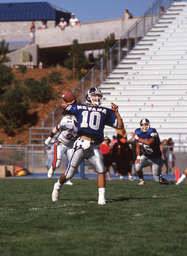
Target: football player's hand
column 133, row 134
column 65, row 104
column 114, row 107
column 47, row 141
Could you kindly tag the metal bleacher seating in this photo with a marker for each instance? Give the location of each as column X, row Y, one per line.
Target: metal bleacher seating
column 151, row 81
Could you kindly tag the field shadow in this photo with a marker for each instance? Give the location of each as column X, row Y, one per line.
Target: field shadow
column 132, row 198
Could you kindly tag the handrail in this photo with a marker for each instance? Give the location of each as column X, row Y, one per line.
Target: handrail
column 116, row 53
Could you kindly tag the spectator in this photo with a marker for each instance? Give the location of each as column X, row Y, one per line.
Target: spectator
column 43, row 25
column 107, row 155
column 161, row 10
column 164, row 151
column 182, row 178
column 122, row 156
column 62, row 24
column 74, row 21
column 127, row 15
column 150, row 141
column 32, row 33
column 49, row 151
column 171, row 156
column 114, row 140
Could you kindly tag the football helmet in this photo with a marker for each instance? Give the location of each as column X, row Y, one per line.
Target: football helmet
column 144, row 125
column 94, row 96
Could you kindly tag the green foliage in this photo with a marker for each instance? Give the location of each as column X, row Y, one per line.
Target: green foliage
column 55, row 77
column 6, row 77
column 137, row 220
column 22, row 69
column 77, row 59
column 13, row 107
column 3, row 52
column 39, row 91
column 109, row 42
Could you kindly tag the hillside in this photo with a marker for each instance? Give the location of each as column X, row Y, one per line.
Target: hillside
column 43, row 110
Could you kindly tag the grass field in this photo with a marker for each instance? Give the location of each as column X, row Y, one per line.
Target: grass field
column 137, row 220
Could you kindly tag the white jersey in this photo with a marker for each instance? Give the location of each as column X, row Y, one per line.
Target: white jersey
column 67, row 130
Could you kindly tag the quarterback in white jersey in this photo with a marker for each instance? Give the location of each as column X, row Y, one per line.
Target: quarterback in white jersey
column 67, row 134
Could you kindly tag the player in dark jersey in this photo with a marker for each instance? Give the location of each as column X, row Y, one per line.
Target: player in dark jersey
column 147, row 140
column 91, row 119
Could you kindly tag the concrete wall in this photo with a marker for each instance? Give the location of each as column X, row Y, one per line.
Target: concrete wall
column 7, row 27
column 85, row 33
column 17, row 57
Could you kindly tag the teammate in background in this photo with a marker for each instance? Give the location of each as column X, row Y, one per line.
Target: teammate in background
column 182, row 178
column 49, row 151
column 91, row 119
column 67, row 134
column 149, row 139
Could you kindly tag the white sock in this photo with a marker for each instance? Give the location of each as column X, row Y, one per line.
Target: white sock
column 183, row 177
column 101, row 192
column 58, row 182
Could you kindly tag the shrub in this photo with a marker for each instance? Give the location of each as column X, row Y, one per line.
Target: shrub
column 22, row 69
column 55, row 77
column 6, row 76
column 39, row 91
column 14, row 107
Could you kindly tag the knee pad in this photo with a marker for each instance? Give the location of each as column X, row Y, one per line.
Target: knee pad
column 57, row 164
column 70, row 171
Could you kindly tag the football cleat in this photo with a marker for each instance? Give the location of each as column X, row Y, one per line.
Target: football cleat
column 68, row 182
column 142, row 182
column 164, row 181
column 101, row 201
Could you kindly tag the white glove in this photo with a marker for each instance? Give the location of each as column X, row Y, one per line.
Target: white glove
column 47, row 141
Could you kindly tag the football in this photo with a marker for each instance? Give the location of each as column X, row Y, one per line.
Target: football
column 68, row 96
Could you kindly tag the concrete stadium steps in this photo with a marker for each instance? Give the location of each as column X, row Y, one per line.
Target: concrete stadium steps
column 152, row 81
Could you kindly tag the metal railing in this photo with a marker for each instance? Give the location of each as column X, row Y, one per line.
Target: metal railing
column 113, row 57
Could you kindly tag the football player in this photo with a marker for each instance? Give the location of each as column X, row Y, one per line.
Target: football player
column 91, row 119
column 149, row 140
column 66, row 132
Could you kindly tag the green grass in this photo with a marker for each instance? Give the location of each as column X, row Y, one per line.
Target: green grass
column 137, row 220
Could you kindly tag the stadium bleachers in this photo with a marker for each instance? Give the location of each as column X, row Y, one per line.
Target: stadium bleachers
column 151, row 81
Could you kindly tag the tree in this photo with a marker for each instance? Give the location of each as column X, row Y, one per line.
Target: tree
column 6, row 77
column 14, row 108
column 77, row 59
column 109, row 42
column 3, row 52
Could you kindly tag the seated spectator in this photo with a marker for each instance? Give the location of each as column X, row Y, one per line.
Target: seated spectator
column 43, row 25
column 127, row 15
column 74, row 21
column 62, row 24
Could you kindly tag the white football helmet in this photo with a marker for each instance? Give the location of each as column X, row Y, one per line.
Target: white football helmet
column 144, row 125
column 94, row 96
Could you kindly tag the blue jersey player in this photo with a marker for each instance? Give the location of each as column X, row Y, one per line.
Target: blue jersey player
column 91, row 119
column 148, row 141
